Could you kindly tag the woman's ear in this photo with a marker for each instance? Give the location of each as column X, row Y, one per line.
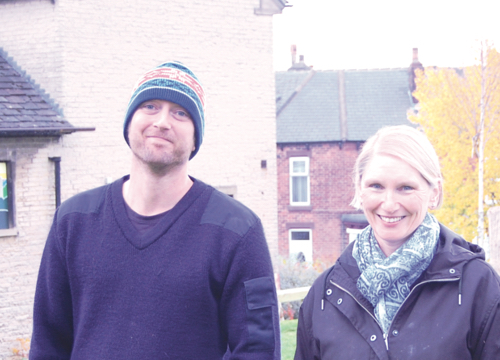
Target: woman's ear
column 435, row 196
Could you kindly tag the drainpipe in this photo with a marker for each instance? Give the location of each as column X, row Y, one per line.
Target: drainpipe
column 57, row 173
column 343, row 109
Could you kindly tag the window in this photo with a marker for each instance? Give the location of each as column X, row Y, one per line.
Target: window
column 5, row 201
column 299, row 181
column 353, row 233
column 229, row 190
column 300, row 244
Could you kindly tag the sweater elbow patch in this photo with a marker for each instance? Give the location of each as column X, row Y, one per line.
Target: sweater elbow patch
column 261, row 300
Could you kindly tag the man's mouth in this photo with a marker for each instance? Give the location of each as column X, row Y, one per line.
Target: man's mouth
column 157, row 136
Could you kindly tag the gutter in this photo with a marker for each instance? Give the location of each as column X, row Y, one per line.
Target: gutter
column 8, row 132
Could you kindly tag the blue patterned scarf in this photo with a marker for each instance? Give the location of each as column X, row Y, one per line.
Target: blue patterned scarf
column 385, row 281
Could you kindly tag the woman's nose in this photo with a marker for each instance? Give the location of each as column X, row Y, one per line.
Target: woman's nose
column 390, row 202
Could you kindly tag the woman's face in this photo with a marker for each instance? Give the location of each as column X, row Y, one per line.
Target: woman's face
column 395, row 199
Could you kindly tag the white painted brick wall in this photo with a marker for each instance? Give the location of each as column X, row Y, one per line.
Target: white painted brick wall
column 87, row 55
column 20, row 255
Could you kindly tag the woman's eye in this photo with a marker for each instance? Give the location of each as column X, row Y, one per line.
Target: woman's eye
column 407, row 188
column 376, row 186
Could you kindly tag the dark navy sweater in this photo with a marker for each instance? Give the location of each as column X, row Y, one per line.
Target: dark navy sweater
column 196, row 284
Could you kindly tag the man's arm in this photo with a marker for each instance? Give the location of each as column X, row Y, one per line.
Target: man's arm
column 249, row 304
column 52, row 316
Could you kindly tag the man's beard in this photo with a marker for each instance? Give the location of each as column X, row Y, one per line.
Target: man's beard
column 160, row 161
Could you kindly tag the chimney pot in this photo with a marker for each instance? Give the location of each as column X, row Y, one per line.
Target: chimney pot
column 294, row 54
column 415, row 54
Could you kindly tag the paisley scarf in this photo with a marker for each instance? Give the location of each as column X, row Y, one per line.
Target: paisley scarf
column 385, row 281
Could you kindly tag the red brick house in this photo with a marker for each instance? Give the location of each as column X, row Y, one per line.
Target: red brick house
column 323, row 118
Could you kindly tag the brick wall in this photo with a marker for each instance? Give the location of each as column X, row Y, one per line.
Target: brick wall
column 331, row 188
column 87, row 56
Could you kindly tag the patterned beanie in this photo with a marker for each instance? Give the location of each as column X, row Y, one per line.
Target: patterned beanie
column 171, row 81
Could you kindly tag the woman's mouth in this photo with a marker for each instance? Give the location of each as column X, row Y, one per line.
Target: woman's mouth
column 391, row 219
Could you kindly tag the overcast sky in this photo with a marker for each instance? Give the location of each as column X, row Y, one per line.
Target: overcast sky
column 367, row 34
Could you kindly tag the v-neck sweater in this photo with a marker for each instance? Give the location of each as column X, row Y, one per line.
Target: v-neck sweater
column 198, row 283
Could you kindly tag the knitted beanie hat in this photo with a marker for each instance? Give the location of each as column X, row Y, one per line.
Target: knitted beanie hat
column 171, row 81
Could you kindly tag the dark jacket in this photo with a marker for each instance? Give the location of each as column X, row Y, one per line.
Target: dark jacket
column 452, row 312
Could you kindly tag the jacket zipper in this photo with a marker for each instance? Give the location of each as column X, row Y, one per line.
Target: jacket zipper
column 386, row 335
column 373, row 317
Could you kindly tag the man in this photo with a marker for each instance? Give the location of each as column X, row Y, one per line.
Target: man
column 157, row 265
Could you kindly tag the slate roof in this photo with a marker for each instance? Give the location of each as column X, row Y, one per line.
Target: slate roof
column 309, row 109
column 25, row 109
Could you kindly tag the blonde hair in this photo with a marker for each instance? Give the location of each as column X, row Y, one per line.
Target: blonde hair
column 407, row 144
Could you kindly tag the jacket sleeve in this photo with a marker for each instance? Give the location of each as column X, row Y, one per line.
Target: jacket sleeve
column 491, row 337
column 307, row 348
column 489, row 341
column 249, row 305
column 52, row 336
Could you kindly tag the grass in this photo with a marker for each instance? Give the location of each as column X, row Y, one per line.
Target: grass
column 288, row 339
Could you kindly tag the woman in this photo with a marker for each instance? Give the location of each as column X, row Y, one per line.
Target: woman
column 408, row 288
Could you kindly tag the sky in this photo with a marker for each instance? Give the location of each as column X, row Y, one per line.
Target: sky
column 370, row 34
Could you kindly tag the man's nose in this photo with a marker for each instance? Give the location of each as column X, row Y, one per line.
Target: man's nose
column 163, row 118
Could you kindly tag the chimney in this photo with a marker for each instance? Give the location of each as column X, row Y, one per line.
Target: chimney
column 415, row 64
column 301, row 65
column 294, row 54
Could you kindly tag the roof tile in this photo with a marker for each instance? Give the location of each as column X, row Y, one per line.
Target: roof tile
column 373, row 99
column 22, row 105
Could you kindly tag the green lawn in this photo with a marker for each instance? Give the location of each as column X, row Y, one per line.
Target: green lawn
column 288, row 339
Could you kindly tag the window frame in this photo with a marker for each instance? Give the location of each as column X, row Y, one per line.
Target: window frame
column 309, row 252
column 306, row 174
column 11, row 230
column 353, row 233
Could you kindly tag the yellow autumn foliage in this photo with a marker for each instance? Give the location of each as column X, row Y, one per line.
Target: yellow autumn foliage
column 449, row 113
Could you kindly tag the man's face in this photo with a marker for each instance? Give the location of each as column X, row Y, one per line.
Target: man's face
column 161, row 134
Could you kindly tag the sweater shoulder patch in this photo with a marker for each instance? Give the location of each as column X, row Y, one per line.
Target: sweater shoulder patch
column 84, row 203
column 224, row 211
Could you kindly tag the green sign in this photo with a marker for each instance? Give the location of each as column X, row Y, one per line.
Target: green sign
column 4, row 205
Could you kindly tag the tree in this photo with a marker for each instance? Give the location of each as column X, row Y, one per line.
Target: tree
column 459, row 110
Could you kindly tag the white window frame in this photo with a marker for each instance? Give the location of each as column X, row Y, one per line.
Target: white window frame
column 301, row 174
column 304, row 246
column 353, row 233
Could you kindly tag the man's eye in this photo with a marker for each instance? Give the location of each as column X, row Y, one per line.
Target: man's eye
column 376, row 186
column 148, row 106
column 182, row 114
column 407, row 188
